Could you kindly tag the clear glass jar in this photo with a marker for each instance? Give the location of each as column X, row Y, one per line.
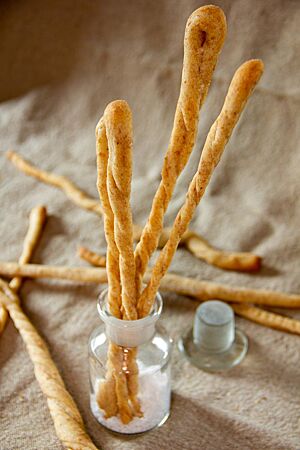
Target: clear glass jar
column 153, row 360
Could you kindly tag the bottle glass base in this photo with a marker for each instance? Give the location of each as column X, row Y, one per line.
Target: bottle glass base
column 214, row 362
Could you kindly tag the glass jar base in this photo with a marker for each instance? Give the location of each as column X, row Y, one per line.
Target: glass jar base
column 136, row 427
column 214, row 362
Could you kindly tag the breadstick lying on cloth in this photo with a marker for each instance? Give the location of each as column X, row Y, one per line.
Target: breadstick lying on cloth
column 91, row 257
column 218, row 258
column 66, row 417
column 242, row 262
column 59, row 181
column 268, row 318
column 241, row 87
column 235, row 261
column 199, row 290
column 204, row 37
column 37, row 219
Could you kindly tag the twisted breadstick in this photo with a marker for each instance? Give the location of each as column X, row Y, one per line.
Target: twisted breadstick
column 267, row 318
column 203, row 40
column 115, row 388
column 37, row 220
column 117, row 117
column 118, row 125
column 66, row 417
column 113, row 272
column 194, row 242
column 241, row 86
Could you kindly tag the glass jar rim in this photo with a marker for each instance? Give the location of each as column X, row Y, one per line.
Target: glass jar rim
column 107, row 317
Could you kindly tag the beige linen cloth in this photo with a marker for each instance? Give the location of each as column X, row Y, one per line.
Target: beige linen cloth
column 61, row 63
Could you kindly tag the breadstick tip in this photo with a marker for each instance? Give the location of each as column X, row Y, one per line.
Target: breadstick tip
column 99, row 127
column 210, row 19
column 250, row 72
column 10, row 154
column 256, row 264
column 41, row 209
column 117, row 112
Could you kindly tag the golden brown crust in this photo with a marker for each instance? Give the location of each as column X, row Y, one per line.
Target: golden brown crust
column 113, row 271
column 118, row 124
column 72, row 192
column 204, row 36
column 115, row 367
column 198, row 246
column 241, row 262
column 37, row 219
column 208, row 290
column 91, row 257
column 66, row 417
column 241, row 87
column 268, row 318
column 112, row 395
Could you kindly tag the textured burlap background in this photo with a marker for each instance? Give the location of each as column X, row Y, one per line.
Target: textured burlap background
column 61, row 63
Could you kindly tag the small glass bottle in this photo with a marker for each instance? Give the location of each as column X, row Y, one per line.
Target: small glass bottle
column 153, row 359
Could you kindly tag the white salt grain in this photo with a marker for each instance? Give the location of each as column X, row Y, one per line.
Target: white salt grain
column 154, row 395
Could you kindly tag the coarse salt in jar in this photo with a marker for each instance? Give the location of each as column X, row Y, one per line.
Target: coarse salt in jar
column 153, row 352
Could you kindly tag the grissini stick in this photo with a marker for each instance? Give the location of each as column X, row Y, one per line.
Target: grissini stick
column 197, row 289
column 200, row 248
column 247, row 262
column 241, row 87
column 112, row 396
column 204, row 37
column 258, row 315
column 66, row 417
column 268, row 318
column 91, row 257
column 3, row 318
column 70, row 189
column 241, row 262
column 37, row 219
column 113, row 271
column 118, row 124
column 73, row 192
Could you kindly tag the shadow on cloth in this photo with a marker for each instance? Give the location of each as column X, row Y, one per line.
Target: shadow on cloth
column 213, row 429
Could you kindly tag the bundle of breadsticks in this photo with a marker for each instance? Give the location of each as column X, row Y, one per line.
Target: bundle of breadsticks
column 126, row 267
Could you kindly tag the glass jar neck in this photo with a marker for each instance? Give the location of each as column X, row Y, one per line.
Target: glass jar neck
column 129, row 333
